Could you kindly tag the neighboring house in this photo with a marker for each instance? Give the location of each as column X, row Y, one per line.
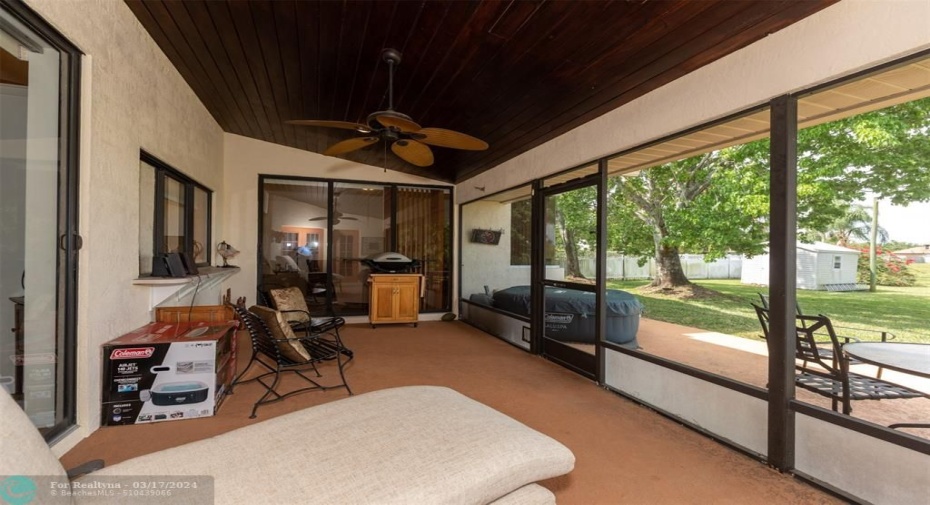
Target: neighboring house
column 821, row 267
column 919, row 254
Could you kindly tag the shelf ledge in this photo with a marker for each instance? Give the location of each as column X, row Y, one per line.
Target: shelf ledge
column 162, row 288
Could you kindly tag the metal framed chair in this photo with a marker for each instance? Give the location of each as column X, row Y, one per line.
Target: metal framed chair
column 278, row 350
column 830, row 376
column 825, row 350
column 291, row 302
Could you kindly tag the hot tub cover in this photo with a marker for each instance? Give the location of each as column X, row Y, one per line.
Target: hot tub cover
column 517, row 299
column 570, row 313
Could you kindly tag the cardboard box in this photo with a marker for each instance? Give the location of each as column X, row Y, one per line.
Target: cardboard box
column 166, row 372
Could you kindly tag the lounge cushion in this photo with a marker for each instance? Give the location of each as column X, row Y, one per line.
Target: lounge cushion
column 23, row 451
column 530, row 494
column 291, row 299
column 417, row 444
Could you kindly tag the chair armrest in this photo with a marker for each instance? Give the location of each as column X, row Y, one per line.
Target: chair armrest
column 885, row 335
column 309, row 317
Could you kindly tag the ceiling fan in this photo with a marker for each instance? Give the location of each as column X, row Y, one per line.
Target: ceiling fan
column 408, row 140
column 338, row 215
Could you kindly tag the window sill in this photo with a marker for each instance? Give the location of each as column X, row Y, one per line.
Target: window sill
column 163, row 288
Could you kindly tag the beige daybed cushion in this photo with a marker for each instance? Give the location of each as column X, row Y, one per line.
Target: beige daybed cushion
column 530, row 494
column 410, row 445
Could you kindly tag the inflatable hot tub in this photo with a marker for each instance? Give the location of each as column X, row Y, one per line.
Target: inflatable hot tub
column 570, row 313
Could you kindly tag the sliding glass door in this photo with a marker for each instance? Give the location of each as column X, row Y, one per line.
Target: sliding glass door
column 38, row 253
column 318, row 234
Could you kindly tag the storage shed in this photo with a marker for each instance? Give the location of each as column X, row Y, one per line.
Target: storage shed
column 821, row 266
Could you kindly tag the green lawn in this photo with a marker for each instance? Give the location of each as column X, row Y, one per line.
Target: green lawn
column 902, row 311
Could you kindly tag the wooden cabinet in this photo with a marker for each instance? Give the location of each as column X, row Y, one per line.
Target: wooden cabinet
column 395, row 298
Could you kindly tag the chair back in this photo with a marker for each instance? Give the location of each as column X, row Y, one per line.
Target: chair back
column 259, row 334
column 763, row 314
column 808, row 329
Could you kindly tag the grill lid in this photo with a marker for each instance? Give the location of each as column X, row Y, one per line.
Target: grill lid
column 391, row 262
column 390, row 257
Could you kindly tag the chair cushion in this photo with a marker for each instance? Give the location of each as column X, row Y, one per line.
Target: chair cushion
column 292, row 298
column 280, row 329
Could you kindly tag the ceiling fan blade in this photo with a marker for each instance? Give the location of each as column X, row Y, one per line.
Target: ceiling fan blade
column 402, row 124
column 350, row 218
column 448, row 138
column 349, row 145
column 413, row 152
column 345, row 125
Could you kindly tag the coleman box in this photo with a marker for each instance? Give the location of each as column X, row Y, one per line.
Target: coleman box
column 167, row 371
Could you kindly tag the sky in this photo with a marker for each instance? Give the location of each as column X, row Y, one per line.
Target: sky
column 904, row 224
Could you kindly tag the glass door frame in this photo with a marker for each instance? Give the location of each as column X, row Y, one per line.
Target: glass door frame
column 585, row 364
column 69, row 241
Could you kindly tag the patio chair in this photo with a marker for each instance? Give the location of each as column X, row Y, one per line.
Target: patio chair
column 292, row 304
column 276, row 348
column 831, row 377
column 883, row 335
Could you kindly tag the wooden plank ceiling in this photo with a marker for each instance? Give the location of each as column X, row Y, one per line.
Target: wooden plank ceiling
column 513, row 73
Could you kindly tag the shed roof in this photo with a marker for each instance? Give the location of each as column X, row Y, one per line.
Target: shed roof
column 825, row 247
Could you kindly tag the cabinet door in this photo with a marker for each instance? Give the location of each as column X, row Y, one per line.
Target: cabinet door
column 382, row 300
column 407, row 301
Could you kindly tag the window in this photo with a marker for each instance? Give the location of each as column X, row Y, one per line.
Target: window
column 837, row 262
column 174, row 214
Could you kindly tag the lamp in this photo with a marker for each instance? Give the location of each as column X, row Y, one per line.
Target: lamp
column 226, row 251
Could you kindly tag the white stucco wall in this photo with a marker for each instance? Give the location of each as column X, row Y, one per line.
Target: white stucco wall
column 246, row 158
column 132, row 98
column 846, row 37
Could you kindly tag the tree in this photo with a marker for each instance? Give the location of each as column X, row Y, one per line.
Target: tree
column 697, row 204
column 572, row 217
column 854, row 225
column 718, row 202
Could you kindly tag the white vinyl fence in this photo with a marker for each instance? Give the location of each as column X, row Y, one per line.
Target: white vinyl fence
column 627, row 267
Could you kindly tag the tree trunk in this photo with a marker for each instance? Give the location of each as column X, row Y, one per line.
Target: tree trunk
column 669, row 273
column 572, row 268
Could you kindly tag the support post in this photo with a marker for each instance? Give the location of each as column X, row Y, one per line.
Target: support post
column 600, row 277
column 782, row 280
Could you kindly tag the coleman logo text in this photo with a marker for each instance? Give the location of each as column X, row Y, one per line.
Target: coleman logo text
column 132, row 353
